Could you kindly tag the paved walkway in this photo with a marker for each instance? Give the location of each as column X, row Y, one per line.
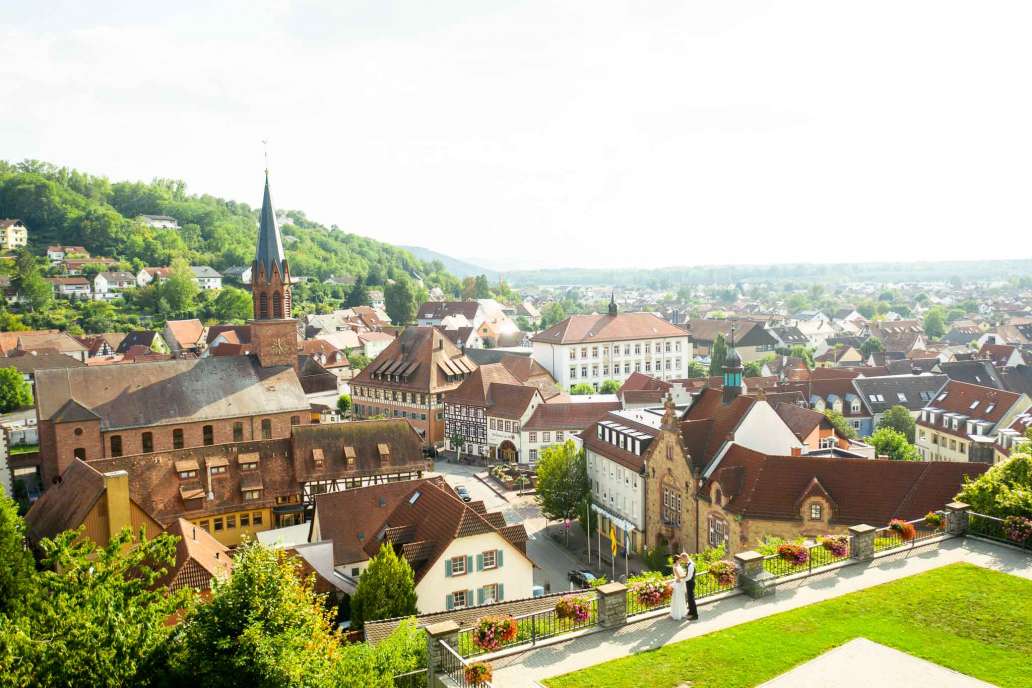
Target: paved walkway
column 537, row 664
column 861, row 663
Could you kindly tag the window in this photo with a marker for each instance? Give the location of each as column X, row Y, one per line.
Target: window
column 295, row 420
column 490, row 561
column 78, row 432
column 671, row 512
column 573, row 372
column 533, row 455
column 204, row 524
column 238, row 432
column 266, row 428
column 186, row 475
column 489, row 593
column 458, row 566
column 256, row 518
column 116, row 445
column 251, row 495
column 718, row 531
column 177, row 438
column 216, row 470
column 458, row 599
column 573, row 354
column 245, row 520
column 218, row 524
column 230, row 522
column 532, row 436
column 816, row 512
column 147, row 441
column 209, row 435
column 79, row 453
column 546, row 437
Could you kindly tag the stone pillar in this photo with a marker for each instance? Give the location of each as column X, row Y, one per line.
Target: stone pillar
column 612, row 605
column 957, row 518
column 861, row 542
column 448, row 631
column 752, row 577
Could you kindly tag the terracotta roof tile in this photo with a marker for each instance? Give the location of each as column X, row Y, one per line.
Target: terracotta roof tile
column 607, row 328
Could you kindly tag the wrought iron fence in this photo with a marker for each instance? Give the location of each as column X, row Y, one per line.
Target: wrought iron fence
column 636, row 604
column 817, row 556
column 993, row 528
column 707, row 583
column 535, row 627
column 454, row 666
column 924, row 529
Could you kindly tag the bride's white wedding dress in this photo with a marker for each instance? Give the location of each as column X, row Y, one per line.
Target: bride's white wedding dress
column 679, row 599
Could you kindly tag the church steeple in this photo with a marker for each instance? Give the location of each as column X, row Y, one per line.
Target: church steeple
column 612, row 304
column 270, row 274
column 732, row 371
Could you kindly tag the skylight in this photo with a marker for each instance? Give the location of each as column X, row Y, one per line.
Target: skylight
column 974, row 405
column 943, row 396
column 989, row 408
column 901, row 396
column 414, row 497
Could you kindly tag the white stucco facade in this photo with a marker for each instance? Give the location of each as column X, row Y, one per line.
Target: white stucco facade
column 511, row 577
column 594, row 363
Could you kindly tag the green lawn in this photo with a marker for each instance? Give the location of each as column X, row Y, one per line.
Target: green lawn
column 973, row 620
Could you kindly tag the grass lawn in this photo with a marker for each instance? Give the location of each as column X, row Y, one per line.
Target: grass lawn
column 973, row 620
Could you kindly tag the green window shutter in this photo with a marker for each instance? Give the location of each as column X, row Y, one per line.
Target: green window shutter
column 480, row 562
column 447, row 573
column 501, row 593
column 469, row 563
column 469, row 597
column 480, row 595
column 449, row 602
column 498, row 558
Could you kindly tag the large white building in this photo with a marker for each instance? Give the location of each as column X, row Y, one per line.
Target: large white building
column 594, row 348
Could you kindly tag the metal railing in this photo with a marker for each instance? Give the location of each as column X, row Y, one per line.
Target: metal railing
column 889, row 538
column 454, row 666
column 534, row 627
column 993, row 528
column 817, row 557
column 411, row 679
column 706, row 584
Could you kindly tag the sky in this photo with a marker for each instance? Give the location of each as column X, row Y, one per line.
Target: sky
column 530, row 133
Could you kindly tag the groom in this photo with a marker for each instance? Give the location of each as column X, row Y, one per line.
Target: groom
column 689, row 567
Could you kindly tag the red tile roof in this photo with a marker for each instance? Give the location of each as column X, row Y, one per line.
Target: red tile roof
column 607, row 328
column 572, row 416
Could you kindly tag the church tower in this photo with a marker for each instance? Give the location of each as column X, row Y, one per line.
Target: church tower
column 732, row 371
column 273, row 331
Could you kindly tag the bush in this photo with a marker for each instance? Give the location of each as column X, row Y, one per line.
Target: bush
column 651, row 589
column 491, row 632
column 794, row 554
column 478, row 674
column 905, row 530
column 573, row 607
column 724, row 572
column 934, row 520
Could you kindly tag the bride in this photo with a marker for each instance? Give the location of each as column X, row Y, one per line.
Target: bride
column 678, row 601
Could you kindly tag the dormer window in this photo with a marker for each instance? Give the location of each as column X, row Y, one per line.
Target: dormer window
column 186, row 468
column 317, row 458
column 217, row 465
column 349, row 456
column 385, row 452
column 248, row 462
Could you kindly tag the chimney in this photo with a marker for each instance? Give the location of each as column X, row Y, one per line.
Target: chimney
column 116, row 494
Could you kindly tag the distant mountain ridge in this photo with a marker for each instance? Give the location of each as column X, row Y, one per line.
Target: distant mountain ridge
column 459, row 268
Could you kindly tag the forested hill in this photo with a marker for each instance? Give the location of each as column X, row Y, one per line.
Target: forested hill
column 65, row 206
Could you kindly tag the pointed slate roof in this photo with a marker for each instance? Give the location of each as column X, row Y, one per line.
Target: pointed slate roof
column 270, row 244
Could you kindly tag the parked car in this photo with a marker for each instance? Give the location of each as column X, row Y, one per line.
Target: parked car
column 582, row 578
column 463, row 493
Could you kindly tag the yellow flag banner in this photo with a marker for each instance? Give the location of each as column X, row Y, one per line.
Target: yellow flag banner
column 612, row 539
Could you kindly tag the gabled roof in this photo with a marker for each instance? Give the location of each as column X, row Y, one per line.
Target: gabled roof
column 187, row 333
column 974, row 372
column 974, row 402
column 199, row 558
column 914, row 392
column 801, row 421
column 72, row 411
column 423, row 358
column 861, row 491
column 709, row 423
column 29, row 363
column 439, row 310
column 361, row 439
column 572, row 416
column 65, row 505
column 584, row 329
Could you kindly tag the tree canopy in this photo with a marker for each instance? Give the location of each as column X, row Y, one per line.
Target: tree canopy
column 562, row 475
column 15, row 392
column 898, row 418
column 840, row 423
column 718, row 354
column 1004, row 490
column 386, row 589
column 893, row 444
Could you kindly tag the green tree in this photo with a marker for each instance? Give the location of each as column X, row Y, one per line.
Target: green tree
column 562, row 476
column 609, row 387
column 752, row 369
column 898, row 418
column 386, row 588
column 718, row 355
column 803, row 352
column 482, row 287
column 264, row 626
column 694, row 369
column 375, row 666
column 29, row 283
column 551, row 314
column 400, row 302
column 357, row 360
column 840, row 423
column 581, row 389
column 233, row 305
column 935, row 322
column 893, row 444
column 358, row 295
column 17, row 568
column 15, row 392
column 870, row 346
column 97, row 616
column 1004, row 490
column 97, row 316
column 179, row 290
column 344, row 405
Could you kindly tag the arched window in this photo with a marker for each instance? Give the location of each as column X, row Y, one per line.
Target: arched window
column 263, row 305
column 277, row 305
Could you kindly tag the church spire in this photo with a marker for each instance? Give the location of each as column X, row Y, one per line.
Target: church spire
column 270, row 254
column 270, row 274
column 612, row 304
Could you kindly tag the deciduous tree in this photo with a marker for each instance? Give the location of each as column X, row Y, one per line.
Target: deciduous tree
column 840, row 423
column 15, row 392
column 898, row 418
column 562, row 481
column 400, row 302
column 893, row 444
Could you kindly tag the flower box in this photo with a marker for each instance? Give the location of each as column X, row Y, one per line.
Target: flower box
column 794, row 554
column 478, row 674
column 838, row 545
column 652, row 591
column 724, row 572
column 934, row 519
column 574, row 607
column 1018, row 529
column 906, row 531
column 491, row 632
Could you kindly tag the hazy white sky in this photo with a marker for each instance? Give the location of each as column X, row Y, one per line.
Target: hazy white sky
column 640, row 133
